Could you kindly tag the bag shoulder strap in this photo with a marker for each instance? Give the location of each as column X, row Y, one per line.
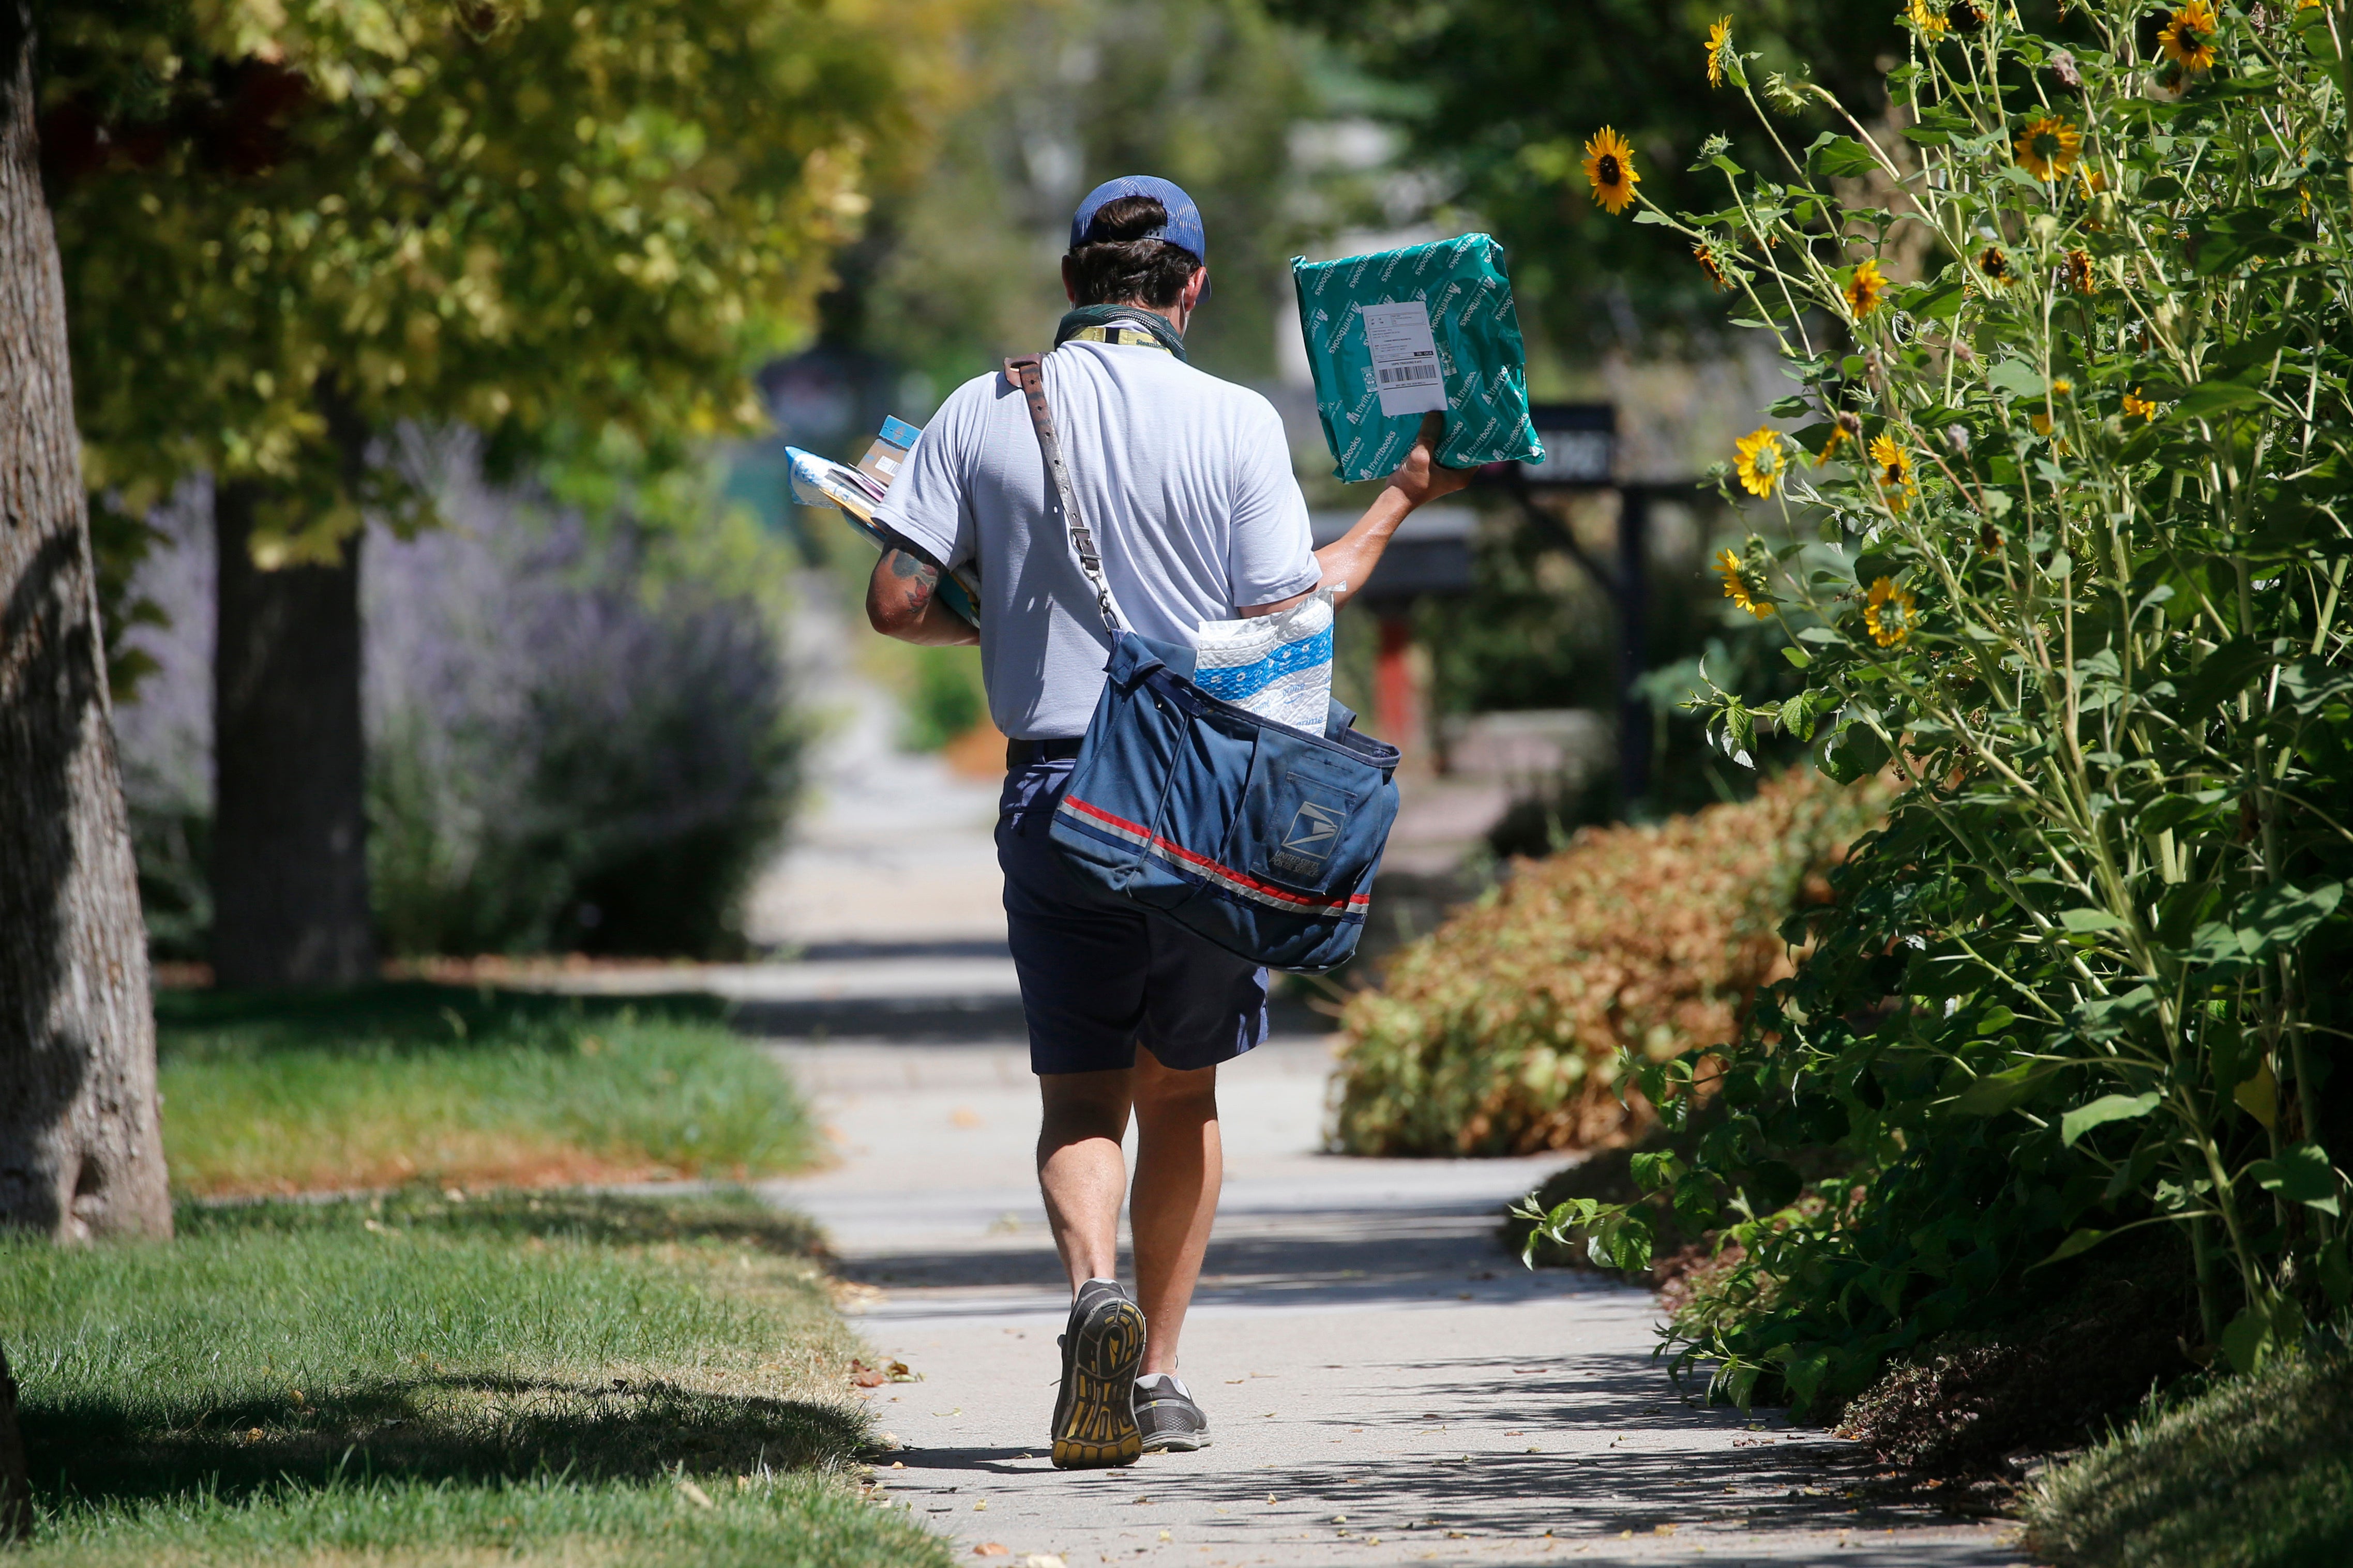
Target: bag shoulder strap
column 1026, row 373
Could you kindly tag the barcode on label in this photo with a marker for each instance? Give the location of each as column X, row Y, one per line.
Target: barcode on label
column 1407, row 369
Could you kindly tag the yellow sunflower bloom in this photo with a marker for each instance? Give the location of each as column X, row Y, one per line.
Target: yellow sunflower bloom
column 1719, row 44
column 1865, row 289
column 2138, row 407
column 2079, row 272
column 1744, row 582
column 1759, row 462
column 1891, row 469
column 2049, row 147
column 1610, row 168
column 1890, row 612
column 1931, row 24
column 2188, row 39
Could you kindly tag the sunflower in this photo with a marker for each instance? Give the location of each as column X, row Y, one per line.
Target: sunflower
column 1865, row 289
column 2138, row 407
column 2188, row 37
column 1964, row 16
column 1891, row 469
column 1712, row 265
column 1995, row 266
column 2048, row 146
column 1719, row 44
column 2079, row 272
column 1758, row 462
column 1931, row 24
column 1890, row 612
column 1609, row 167
column 1744, row 578
column 1848, row 428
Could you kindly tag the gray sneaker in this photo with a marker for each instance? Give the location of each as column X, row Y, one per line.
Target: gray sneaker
column 1167, row 1416
column 1095, row 1414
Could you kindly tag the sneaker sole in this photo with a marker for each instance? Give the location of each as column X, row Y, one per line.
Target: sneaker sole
column 1097, row 1430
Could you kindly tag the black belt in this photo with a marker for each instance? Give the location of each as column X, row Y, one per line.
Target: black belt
column 1022, row 753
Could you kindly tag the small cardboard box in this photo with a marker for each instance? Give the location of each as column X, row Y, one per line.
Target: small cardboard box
column 1398, row 333
column 889, row 449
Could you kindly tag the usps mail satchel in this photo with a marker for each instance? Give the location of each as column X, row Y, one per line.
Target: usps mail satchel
column 1260, row 837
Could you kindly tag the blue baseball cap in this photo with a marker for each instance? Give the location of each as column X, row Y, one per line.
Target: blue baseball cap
column 1182, row 230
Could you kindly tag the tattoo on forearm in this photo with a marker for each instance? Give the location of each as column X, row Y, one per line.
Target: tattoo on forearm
column 920, row 576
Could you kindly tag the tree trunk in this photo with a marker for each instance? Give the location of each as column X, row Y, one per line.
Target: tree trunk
column 289, row 818
column 81, row 1153
column 16, row 1485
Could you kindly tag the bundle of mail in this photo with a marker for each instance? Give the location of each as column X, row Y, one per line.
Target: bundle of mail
column 858, row 492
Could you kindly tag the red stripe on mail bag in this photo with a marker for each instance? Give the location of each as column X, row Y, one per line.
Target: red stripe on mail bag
column 1138, row 834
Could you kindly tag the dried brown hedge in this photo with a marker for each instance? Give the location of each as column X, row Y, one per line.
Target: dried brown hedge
column 1498, row 1033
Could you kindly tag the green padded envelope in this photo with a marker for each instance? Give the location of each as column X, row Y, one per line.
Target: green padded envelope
column 1380, row 362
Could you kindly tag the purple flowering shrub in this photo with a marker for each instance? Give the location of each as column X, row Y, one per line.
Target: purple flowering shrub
column 572, row 744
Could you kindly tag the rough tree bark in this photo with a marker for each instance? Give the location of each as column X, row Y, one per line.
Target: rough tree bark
column 289, row 823
column 16, row 1485
column 81, row 1152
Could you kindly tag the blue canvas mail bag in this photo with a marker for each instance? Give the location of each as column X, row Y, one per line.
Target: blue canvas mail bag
column 1263, row 837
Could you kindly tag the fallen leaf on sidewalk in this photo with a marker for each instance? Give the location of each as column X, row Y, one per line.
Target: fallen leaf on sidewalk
column 992, row 1549
column 1662, row 1530
column 1042, row 1560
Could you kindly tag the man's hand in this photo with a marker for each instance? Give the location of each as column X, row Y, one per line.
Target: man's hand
column 902, row 602
column 1421, row 476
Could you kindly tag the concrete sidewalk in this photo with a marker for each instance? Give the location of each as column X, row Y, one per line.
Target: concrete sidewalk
column 1383, row 1385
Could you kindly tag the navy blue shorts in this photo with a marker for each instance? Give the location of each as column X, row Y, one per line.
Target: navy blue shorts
column 1101, row 975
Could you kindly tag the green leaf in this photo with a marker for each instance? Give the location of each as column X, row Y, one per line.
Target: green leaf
column 1994, row 1020
column 1855, row 752
column 1996, row 1092
column 1654, row 1171
column 2105, row 1017
column 2211, row 397
column 2077, row 1241
column 1772, row 1186
column 2106, row 1109
column 1798, row 656
column 2171, row 811
column 2280, row 915
column 2337, row 1272
column 1835, row 157
column 2085, row 920
column 1938, row 301
column 2017, row 378
column 2300, row 1174
column 2247, row 1343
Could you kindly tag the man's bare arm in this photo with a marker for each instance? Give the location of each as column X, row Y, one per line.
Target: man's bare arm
column 902, row 602
column 1350, row 559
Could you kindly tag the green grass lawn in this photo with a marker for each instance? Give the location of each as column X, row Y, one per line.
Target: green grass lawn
column 382, row 1085
column 538, row 1378
column 2257, row 1473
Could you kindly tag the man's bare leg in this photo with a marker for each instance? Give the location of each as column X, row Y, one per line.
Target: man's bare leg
column 1179, row 1165
column 1080, row 1170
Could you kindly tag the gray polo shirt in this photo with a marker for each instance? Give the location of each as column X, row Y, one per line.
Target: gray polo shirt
column 1185, row 479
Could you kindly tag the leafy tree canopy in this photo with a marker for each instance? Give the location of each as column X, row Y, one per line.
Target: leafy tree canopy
column 1506, row 95
column 572, row 227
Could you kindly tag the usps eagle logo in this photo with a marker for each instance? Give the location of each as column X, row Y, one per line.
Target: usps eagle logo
column 1313, row 831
